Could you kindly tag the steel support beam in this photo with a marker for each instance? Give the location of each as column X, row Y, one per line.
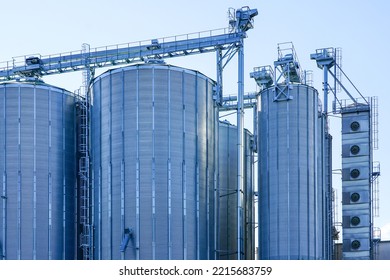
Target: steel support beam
column 240, row 147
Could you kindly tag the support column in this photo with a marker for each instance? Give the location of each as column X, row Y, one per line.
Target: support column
column 240, row 149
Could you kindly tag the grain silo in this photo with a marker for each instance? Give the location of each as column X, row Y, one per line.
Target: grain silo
column 227, row 195
column 153, row 128
column 290, row 190
column 38, row 166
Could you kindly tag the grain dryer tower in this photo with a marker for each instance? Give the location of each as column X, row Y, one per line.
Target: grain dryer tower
column 356, row 170
column 358, row 128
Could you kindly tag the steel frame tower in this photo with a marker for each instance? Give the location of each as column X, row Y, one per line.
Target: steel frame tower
column 225, row 42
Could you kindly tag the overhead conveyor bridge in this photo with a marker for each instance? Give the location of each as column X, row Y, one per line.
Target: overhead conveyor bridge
column 168, row 47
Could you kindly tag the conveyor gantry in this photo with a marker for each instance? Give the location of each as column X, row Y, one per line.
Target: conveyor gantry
column 194, row 43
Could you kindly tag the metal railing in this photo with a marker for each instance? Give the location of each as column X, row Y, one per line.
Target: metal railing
column 166, row 47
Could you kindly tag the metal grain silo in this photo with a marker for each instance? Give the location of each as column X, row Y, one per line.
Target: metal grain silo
column 227, row 195
column 153, row 128
column 38, row 166
column 290, row 206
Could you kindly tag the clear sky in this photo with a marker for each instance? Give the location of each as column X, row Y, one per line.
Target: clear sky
column 360, row 28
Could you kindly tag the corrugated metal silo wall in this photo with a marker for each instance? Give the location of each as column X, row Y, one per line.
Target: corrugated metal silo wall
column 227, row 195
column 38, row 166
column 291, row 193
column 154, row 171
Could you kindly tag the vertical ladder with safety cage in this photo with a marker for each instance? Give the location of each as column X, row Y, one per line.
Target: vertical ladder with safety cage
column 86, row 235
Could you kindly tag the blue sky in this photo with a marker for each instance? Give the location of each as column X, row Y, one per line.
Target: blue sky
column 360, row 28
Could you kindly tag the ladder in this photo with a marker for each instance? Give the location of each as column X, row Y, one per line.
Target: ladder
column 83, row 173
column 86, row 236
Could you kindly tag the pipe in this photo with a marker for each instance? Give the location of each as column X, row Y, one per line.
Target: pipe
column 326, row 89
column 240, row 149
